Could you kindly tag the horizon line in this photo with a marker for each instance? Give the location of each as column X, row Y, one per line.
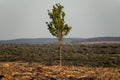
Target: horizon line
column 63, row 38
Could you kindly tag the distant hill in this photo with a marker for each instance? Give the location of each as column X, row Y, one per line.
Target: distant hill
column 54, row 40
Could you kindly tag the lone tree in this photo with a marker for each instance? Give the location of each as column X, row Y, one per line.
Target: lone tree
column 57, row 26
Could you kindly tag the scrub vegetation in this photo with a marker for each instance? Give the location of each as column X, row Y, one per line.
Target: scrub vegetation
column 80, row 62
column 100, row 55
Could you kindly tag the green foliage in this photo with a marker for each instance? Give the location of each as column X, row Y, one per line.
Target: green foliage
column 57, row 26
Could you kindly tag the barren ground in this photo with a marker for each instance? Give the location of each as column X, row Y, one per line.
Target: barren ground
column 35, row 71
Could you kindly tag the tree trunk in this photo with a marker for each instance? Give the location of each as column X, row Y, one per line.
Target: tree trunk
column 60, row 51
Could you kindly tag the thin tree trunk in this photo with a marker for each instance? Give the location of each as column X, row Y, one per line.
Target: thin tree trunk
column 60, row 51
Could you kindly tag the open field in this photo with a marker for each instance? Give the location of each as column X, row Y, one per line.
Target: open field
column 94, row 55
column 36, row 71
column 40, row 62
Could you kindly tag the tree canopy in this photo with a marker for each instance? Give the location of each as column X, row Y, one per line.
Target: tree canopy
column 57, row 25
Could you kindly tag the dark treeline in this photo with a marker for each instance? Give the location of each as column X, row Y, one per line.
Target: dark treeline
column 106, row 55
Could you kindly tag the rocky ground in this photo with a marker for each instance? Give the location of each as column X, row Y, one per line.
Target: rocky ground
column 35, row 71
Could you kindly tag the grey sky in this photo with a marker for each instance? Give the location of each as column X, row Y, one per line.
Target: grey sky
column 88, row 18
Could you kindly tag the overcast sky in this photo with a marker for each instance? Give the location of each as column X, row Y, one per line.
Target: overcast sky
column 88, row 18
